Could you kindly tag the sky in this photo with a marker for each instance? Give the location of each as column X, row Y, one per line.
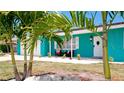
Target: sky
column 98, row 20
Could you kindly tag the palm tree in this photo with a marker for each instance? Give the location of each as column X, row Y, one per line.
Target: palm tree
column 24, row 21
column 46, row 27
column 79, row 19
column 106, row 66
column 6, row 23
column 107, row 20
column 27, row 18
column 19, row 33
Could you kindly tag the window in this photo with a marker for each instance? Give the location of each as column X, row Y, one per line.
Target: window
column 67, row 44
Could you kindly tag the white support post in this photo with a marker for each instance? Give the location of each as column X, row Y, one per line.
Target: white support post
column 71, row 45
column 50, row 47
column 55, row 45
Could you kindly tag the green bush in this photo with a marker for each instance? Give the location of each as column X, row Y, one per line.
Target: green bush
column 111, row 59
column 64, row 55
column 3, row 48
column 49, row 54
column 1, row 51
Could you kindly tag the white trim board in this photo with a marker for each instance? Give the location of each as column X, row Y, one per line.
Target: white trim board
column 75, row 32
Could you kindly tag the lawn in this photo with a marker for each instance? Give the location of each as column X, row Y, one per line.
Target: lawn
column 6, row 69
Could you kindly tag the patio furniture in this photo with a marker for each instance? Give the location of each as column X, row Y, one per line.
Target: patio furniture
column 62, row 52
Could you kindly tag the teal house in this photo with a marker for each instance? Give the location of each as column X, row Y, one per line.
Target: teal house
column 85, row 43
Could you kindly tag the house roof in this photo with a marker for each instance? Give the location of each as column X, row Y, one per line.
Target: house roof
column 114, row 24
column 99, row 29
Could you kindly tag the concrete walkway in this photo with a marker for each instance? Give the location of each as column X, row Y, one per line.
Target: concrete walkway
column 53, row 59
column 7, row 57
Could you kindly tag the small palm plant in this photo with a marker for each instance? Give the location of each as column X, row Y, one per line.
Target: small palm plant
column 49, row 54
column 78, row 56
column 111, row 59
column 64, row 56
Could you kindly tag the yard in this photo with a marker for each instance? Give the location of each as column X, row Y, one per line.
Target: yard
column 117, row 70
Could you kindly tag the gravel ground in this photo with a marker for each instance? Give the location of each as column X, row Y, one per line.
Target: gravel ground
column 87, row 76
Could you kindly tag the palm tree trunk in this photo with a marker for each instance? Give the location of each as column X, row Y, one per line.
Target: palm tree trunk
column 17, row 77
column 30, row 63
column 25, row 62
column 25, row 59
column 106, row 66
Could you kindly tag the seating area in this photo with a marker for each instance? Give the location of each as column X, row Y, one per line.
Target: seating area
column 62, row 52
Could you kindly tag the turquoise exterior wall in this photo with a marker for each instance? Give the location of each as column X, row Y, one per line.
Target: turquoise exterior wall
column 18, row 47
column 53, row 48
column 116, row 44
column 44, row 47
column 85, row 45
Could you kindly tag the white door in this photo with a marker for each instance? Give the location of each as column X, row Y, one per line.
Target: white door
column 97, row 46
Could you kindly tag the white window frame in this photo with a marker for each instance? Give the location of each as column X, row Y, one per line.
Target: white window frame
column 75, row 44
column 55, row 45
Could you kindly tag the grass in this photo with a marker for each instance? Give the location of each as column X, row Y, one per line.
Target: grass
column 6, row 69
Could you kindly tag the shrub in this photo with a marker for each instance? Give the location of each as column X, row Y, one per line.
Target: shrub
column 111, row 59
column 3, row 48
column 49, row 54
column 1, row 53
column 64, row 56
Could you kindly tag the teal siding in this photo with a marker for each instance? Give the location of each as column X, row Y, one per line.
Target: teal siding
column 115, row 44
column 52, row 49
column 18, row 47
column 85, row 45
column 44, row 47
